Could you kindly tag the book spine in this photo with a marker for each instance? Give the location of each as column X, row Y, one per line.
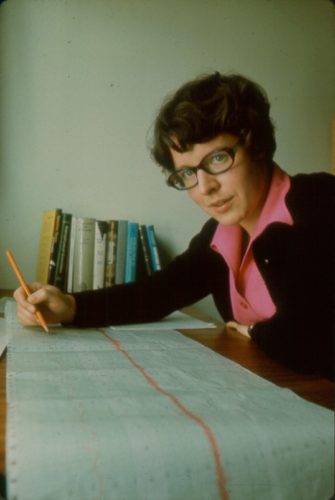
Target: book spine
column 83, row 255
column 70, row 257
column 45, row 245
column 131, row 253
column 145, row 249
column 121, row 245
column 111, row 253
column 153, row 249
column 54, row 247
column 61, row 264
column 99, row 254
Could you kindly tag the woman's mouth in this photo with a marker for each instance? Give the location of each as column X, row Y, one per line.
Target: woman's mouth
column 221, row 204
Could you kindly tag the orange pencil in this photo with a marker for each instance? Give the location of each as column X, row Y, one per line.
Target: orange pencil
column 25, row 287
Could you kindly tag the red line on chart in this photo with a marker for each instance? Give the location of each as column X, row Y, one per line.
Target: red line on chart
column 183, row 409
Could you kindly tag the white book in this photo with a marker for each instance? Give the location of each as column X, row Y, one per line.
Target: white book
column 83, row 255
column 99, row 254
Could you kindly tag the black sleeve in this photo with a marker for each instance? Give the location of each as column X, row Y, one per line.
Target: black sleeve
column 182, row 282
column 301, row 333
column 303, row 344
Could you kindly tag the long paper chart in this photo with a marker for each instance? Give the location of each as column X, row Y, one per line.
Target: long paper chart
column 151, row 415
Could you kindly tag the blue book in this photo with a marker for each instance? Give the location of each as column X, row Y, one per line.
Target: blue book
column 153, row 249
column 131, row 252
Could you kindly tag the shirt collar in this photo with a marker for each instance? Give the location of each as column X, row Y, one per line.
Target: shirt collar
column 227, row 239
column 275, row 208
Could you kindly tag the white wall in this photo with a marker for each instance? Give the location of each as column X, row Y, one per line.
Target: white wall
column 81, row 81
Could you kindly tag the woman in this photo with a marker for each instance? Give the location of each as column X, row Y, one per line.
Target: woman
column 267, row 252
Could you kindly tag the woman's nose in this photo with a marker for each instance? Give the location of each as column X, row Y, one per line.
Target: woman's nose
column 207, row 183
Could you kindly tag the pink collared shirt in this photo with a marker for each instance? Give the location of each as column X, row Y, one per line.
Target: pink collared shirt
column 250, row 298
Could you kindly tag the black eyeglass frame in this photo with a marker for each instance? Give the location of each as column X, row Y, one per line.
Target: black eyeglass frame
column 202, row 166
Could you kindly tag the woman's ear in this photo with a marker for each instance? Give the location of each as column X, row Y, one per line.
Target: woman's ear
column 256, row 154
column 247, row 140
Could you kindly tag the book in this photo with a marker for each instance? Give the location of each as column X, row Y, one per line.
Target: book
column 131, row 261
column 70, row 256
column 83, row 254
column 99, row 253
column 153, row 248
column 54, row 247
column 45, row 244
column 144, row 250
column 111, row 253
column 61, row 263
column 121, row 245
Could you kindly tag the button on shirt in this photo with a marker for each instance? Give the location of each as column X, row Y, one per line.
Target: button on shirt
column 250, row 298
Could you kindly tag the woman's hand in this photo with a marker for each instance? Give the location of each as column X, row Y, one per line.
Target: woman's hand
column 240, row 328
column 55, row 306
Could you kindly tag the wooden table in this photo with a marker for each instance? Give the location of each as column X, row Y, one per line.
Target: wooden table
column 2, row 413
column 235, row 347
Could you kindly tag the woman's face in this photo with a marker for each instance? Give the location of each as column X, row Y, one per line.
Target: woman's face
column 233, row 197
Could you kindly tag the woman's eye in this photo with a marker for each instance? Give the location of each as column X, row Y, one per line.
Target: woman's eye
column 186, row 173
column 219, row 158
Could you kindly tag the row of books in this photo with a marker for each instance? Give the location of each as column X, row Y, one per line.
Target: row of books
column 82, row 253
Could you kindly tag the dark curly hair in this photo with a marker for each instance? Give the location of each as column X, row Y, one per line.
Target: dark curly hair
column 209, row 106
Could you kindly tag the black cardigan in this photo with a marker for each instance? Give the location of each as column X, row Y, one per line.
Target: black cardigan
column 296, row 262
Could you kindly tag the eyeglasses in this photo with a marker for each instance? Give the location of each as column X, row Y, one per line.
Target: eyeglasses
column 215, row 163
